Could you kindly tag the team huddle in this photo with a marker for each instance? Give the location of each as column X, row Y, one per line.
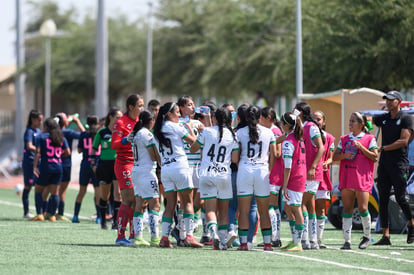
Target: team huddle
column 205, row 168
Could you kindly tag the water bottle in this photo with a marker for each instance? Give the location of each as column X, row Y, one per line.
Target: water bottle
column 202, row 110
column 72, row 116
column 185, row 119
column 233, row 115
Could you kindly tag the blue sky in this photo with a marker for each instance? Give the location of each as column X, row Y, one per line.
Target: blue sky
column 131, row 8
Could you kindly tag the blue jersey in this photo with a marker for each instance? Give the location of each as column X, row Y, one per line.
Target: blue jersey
column 85, row 144
column 70, row 135
column 29, row 136
column 51, row 161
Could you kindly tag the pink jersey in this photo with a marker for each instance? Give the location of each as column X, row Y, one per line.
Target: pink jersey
column 297, row 178
column 357, row 174
column 311, row 151
column 326, row 183
column 122, row 127
column 277, row 173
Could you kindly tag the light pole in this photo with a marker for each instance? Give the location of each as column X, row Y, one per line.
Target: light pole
column 47, row 30
column 148, row 82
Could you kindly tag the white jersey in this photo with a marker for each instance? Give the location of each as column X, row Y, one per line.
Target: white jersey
column 216, row 157
column 193, row 158
column 255, row 155
column 174, row 155
column 143, row 140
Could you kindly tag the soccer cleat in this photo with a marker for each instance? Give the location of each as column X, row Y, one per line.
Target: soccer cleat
column 231, row 237
column 155, row 241
column 75, row 219
column 306, row 245
column 410, row 234
column 180, row 243
column 314, row 245
column 122, row 242
column 50, row 217
column 205, row 239
column 236, row 243
column 190, row 241
column 62, row 218
column 98, row 220
column 216, row 244
column 176, row 234
column 267, row 247
column 364, row 243
column 277, row 243
column 321, row 245
column 383, row 241
column 346, row 246
column 294, row 248
column 243, row 247
column 286, row 245
column 104, row 226
column 140, row 242
column 165, row 242
column 114, row 226
column 28, row 216
column 250, row 245
column 38, row 218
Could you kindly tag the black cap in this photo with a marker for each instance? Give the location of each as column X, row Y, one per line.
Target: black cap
column 393, row 95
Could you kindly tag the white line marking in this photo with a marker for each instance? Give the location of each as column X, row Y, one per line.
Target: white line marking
column 374, row 255
column 287, row 254
column 33, row 208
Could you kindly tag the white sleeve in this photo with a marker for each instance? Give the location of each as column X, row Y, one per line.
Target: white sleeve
column 287, row 153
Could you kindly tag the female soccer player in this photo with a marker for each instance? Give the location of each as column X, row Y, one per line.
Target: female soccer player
column 314, row 141
column 219, row 150
column 104, row 168
column 32, row 130
column 294, row 179
column 357, row 152
column 175, row 171
column 51, row 146
column 70, row 135
column 144, row 178
column 86, row 173
column 123, row 166
column 257, row 156
column 325, row 186
column 269, row 120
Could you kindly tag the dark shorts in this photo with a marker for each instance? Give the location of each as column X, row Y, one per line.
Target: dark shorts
column 46, row 179
column 105, row 172
column 66, row 173
column 86, row 176
column 28, row 177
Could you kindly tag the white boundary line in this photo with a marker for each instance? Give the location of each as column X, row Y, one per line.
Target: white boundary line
column 33, row 208
column 374, row 255
column 287, row 254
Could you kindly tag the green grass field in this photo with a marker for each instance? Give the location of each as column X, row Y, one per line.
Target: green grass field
column 66, row 248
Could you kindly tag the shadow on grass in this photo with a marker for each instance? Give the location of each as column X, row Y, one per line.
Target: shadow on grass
column 92, row 245
column 14, row 219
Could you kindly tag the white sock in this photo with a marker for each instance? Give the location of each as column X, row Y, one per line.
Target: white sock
column 347, row 228
column 321, row 226
column 181, row 224
column 278, row 222
column 366, row 225
column 166, row 226
column 204, row 222
column 212, row 228
column 273, row 222
column 189, row 224
column 313, row 228
column 222, row 234
column 154, row 218
column 305, row 235
column 138, row 225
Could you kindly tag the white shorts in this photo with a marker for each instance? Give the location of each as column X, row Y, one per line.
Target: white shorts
column 253, row 182
column 323, row 194
column 295, row 198
column 212, row 187
column 145, row 185
column 312, row 186
column 274, row 189
column 176, row 179
column 195, row 172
